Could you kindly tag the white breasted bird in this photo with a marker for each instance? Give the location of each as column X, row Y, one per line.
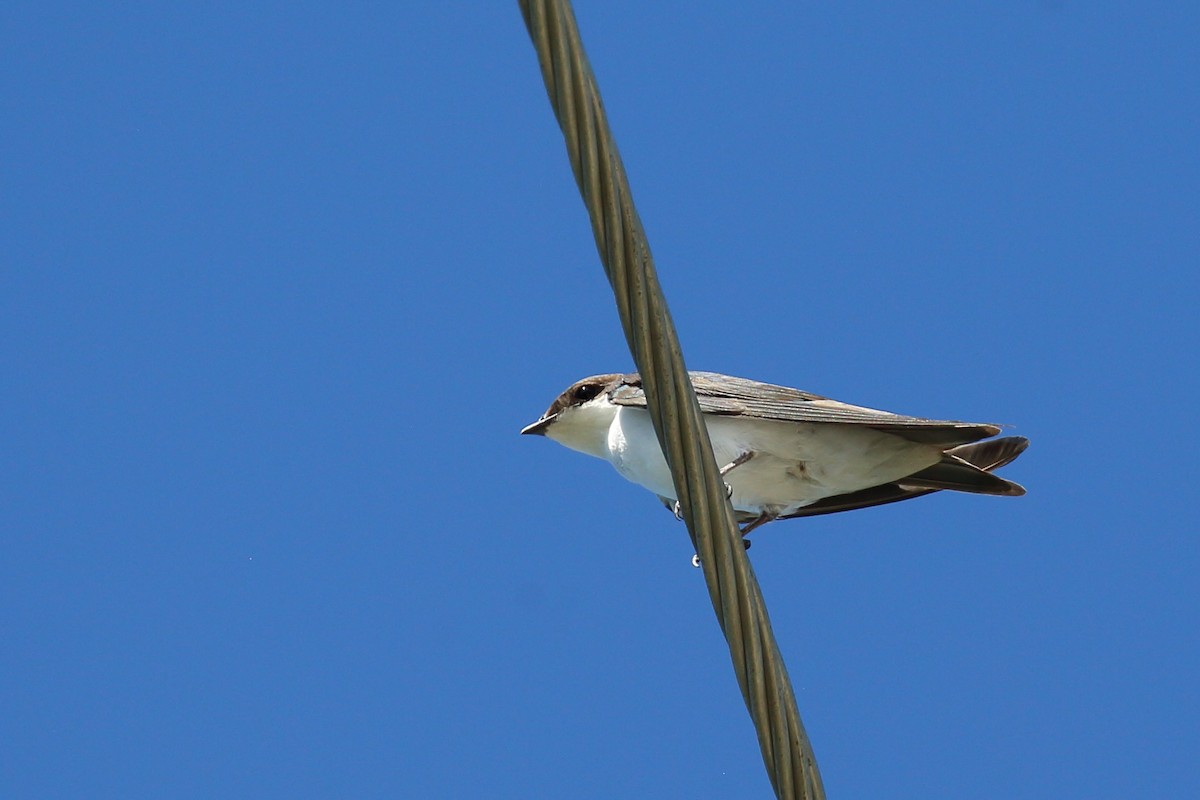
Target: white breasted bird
column 784, row 452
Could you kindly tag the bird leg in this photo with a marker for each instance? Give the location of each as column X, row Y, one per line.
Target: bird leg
column 761, row 519
column 731, row 466
column 737, row 462
column 725, row 470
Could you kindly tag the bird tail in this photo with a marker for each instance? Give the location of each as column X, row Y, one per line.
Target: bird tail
column 967, row 468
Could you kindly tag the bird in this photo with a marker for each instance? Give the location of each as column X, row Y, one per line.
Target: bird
column 783, row 452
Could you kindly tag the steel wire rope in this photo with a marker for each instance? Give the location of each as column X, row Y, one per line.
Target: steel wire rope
column 625, row 254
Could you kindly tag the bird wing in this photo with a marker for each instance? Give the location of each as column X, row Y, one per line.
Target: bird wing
column 985, row 456
column 729, row 396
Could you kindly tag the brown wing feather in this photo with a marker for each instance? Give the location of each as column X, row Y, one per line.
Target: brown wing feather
column 985, row 456
column 730, row 396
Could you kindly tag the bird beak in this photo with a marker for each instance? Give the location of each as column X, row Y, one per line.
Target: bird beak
column 539, row 427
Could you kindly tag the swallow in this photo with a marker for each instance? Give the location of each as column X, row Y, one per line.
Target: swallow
column 784, row 453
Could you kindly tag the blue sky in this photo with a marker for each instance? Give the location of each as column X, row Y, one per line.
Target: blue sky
column 282, row 283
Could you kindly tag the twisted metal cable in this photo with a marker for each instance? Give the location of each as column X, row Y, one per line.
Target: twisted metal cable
column 625, row 254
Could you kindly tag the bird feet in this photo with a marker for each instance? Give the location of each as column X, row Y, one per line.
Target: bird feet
column 696, row 556
column 677, row 509
column 725, row 470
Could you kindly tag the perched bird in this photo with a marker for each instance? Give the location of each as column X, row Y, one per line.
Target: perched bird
column 784, row 452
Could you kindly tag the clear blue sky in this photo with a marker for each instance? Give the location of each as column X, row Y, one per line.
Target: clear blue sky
column 282, row 282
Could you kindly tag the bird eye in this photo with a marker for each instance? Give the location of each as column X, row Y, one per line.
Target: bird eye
column 585, row 392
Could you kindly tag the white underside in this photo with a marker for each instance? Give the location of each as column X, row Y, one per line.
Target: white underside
column 795, row 464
